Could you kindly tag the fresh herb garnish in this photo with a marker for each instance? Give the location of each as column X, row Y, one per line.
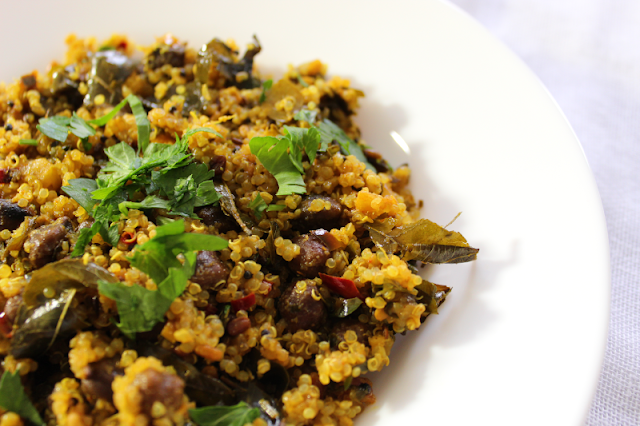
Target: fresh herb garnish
column 331, row 132
column 265, row 86
column 13, row 398
column 139, row 308
column 234, row 415
column 58, row 127
column 273, row 153
column 282, row 156
column 30, row 142
column 258, row 205
column 166, row 173
column 301, row 81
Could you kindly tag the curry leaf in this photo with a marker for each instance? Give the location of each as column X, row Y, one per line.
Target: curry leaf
column 235, row 415
column 13, row 398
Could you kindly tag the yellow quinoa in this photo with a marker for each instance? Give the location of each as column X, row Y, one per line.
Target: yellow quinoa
column 304, row 300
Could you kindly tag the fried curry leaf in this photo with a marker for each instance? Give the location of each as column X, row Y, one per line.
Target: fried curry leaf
column 140, row 308
column 331, row 132
column 425, row 241
column 344, row 307
column 431, row 295
column 235, row 415
column 274, row 156
column 229, row 206
column 13, row 398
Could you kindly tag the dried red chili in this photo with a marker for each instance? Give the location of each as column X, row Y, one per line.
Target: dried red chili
column 244, row 303
column 341, row 286
column 128, row 237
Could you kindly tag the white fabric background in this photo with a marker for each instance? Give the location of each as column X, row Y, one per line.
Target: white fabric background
column 587, row 53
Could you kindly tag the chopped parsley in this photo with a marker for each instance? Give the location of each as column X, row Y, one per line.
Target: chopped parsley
column 140, row 308
column 234, row 415
column 282, row 156
column 30, row 142
column 166, row 173
column 58, row 127
column 13, row 398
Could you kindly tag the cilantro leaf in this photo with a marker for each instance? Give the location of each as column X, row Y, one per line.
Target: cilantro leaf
column 305, row 139
column 330, row 132
column 265, row 86
column 274, row 156
column 13, row 398
column 258, row 205
column 234, row 415
column 80, row 128
column 56, row 127
column 206, row 194
column 306, row 115
column 140, row 308
column 80, row 190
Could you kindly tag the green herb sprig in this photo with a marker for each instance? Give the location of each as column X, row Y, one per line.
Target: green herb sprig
column 139, row 308
column 13, row 398
column 282, row 156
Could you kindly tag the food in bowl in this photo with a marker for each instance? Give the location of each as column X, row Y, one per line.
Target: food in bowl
column 187, row 242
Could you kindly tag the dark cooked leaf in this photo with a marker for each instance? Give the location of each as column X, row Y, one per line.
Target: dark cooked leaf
column 13, row 398
column 80, row 190
column 274, row 156
column 331, row 132
column 431, row 295
column 56, row 127
column 235, row 415
column 229, row 206
column 425, row 241
column 80, row 128
column 439, row 253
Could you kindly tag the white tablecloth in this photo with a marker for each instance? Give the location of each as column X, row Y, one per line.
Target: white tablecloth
column 587, row 53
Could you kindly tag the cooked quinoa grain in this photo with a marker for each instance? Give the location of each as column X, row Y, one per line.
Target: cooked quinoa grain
column 314, row 274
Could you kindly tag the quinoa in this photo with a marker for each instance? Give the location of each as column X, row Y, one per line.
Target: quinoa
column 261, row 322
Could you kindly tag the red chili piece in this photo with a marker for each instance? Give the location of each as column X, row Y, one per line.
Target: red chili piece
column 5, row 177
column 342, row 286
column 5, row 327
column 244, row 303
column 128, row 237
